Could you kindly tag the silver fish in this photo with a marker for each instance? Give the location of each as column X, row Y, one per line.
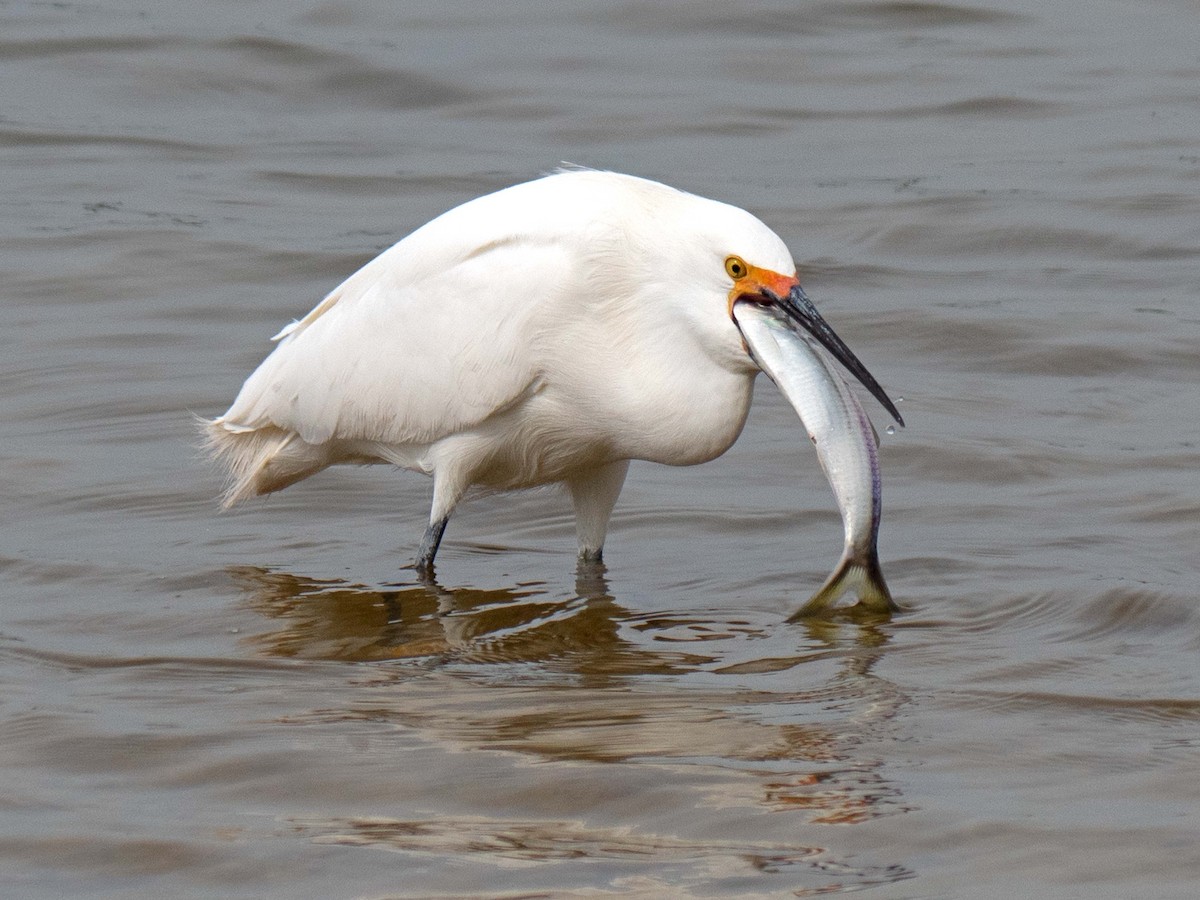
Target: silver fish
column 847, row 447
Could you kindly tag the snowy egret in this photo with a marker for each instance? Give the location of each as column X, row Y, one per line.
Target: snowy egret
column 547, row 333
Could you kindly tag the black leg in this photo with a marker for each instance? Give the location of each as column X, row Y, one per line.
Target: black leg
column 429, row 546
column 591, row 556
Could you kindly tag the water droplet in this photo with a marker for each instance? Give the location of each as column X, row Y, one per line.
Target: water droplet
column 899, row 399
column 891, row 429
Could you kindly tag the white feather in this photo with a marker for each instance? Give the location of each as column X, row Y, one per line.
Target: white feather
column 549, row 332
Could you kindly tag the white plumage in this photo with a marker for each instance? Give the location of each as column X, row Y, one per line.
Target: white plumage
column 549, row 332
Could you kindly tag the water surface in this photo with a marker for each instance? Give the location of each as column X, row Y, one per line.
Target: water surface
column 996, row 206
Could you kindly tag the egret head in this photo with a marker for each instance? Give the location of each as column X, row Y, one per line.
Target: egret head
column 767, row 287
column 684, row 258
column 741, row 260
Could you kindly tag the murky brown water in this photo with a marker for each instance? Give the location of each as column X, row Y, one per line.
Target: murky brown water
column 996, row 205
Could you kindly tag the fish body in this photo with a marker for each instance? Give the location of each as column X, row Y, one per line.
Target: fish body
column 847, row 448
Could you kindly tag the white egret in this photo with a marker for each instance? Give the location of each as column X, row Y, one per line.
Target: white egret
column 549, row 332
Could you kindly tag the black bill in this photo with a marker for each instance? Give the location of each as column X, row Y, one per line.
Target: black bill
column 800, row 311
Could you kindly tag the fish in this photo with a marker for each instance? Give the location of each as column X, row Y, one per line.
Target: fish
column 847, row 447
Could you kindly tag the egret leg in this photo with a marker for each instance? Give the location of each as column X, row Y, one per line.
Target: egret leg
column 429, row 545
column 590, row 581
column 594, row 494
column 448, row 488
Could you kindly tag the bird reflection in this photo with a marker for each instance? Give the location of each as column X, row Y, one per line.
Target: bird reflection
column 335, row 620
column 790, row 711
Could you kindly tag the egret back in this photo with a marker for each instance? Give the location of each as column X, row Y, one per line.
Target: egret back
column 551, row 325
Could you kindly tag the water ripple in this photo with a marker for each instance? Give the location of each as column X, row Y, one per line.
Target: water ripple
column 652, row 863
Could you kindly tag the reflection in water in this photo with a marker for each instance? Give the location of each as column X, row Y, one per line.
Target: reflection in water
column 781, row 719
column 338, row 621
column 666, row 865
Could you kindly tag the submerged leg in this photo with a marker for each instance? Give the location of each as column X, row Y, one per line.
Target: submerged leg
column 594, row 494
column 429, row 545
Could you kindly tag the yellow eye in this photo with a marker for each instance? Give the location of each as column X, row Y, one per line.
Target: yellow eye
column 736, row 268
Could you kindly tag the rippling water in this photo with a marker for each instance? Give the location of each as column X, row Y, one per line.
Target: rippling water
column 997, row 207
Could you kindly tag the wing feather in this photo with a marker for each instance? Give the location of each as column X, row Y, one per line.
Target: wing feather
column 415, row 346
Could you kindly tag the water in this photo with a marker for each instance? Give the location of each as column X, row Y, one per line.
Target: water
column 995, row 205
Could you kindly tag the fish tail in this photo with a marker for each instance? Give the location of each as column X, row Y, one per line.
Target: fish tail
column 858, row 572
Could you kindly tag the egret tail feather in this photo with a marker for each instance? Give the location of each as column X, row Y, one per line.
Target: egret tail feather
column 260, row 461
